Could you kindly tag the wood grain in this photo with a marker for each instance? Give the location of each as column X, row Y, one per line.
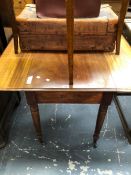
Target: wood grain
column 70, row 37
column 33, row 103
column 69, row 97
column 124, row 5
column 92, row 71
column 120, row 67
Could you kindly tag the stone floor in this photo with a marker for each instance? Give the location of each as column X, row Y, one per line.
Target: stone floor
column 68, row 131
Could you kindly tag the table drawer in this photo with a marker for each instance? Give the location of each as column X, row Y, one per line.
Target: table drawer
column 68, row 97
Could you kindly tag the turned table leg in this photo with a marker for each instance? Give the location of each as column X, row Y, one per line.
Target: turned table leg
column 106, row 101
column 32, row 102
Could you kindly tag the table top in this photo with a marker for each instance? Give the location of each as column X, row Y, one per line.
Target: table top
column 43, row 71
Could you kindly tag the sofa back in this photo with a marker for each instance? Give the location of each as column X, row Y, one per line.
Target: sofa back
column 57, row 8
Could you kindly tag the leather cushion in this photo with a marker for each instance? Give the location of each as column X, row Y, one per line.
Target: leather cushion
column 56, row 8
column 28, row 23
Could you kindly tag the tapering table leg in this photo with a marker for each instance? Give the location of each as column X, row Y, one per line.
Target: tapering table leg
column 32, row 102
column 106, row 101
column 36, row 120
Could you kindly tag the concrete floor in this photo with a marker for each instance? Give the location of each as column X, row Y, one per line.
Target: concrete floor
column 68, row 130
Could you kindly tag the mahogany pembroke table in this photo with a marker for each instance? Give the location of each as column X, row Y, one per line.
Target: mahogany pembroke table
column 45, row 79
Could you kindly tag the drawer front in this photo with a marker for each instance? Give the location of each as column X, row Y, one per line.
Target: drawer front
column 69, row 97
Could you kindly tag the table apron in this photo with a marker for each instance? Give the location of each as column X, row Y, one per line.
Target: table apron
column 64, row 97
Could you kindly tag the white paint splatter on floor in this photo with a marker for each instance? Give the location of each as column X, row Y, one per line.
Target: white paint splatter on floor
column 68, row 150
column 55, row 164
column 104, row 172
column 67, row 118
column 71, row 165
column 84, row 170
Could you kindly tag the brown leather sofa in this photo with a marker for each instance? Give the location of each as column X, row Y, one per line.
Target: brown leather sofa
column 57, row 8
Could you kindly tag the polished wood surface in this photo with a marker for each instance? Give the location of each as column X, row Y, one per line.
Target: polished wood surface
column 49, row 71
column 70, row 37
column 124, row 5
column 120, row 68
